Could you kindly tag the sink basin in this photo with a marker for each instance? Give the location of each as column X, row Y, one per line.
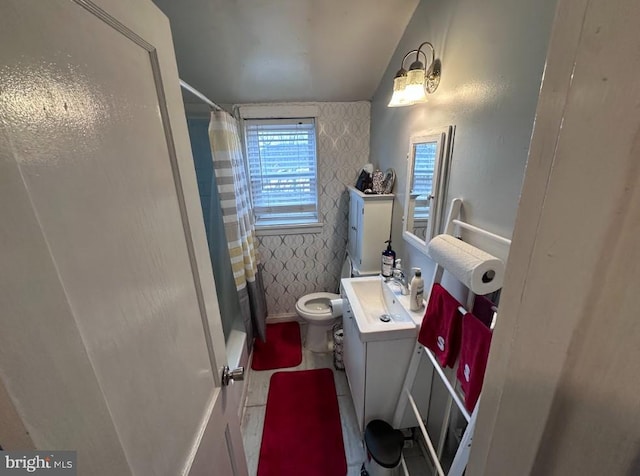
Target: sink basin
column 369, row 295
column 396, row 302
column 370, row 300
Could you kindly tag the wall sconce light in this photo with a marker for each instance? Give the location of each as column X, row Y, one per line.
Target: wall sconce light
column 413, row 86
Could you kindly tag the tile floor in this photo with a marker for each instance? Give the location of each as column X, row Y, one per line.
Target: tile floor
column 255, row 406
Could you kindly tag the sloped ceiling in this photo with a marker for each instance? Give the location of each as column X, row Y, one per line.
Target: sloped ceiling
column 242, row 51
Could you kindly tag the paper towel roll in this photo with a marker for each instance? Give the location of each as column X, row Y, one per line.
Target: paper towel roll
column 336, row 307
column 479, row 271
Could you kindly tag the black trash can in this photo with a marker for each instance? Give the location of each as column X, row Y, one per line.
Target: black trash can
column 384, row 449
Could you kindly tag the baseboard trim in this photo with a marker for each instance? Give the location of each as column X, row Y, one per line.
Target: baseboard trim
column 287, row 317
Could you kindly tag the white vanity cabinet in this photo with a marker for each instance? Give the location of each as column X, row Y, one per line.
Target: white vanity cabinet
column 369, row 228
column 375, row 370
column 354, row 355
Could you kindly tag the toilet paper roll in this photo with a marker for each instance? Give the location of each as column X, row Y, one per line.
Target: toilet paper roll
column 479, row 271
column 336, row 307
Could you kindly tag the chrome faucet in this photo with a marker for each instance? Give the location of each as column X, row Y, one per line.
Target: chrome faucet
column 400, row 278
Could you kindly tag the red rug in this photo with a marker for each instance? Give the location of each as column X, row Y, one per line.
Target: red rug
column 302, row 433
column 282, row 349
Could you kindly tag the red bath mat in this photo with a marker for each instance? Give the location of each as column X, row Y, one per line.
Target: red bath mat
column 302, row 433
column 282, row 349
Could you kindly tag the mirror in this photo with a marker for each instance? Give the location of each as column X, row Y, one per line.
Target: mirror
column 427, row 173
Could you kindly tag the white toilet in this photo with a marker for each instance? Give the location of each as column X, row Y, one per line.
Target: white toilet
column 315, row 309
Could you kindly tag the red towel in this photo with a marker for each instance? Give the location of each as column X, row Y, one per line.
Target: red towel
column 474, row 352
column 440, row 329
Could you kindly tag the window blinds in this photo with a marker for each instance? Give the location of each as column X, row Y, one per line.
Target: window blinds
column 423, row 169
column 281, row 157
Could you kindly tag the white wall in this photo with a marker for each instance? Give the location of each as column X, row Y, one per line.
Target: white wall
column 492, row 55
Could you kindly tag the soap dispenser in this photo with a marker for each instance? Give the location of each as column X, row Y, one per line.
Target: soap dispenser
column 388, row 261
column 416, row 294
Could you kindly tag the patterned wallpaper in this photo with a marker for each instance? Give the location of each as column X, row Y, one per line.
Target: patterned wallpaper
column 295, row 265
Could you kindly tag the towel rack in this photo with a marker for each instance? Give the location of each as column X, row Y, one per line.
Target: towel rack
column 462, row 454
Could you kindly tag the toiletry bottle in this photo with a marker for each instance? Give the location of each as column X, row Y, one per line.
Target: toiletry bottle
column 417, row 291
column 397, row 268
column 388, row 260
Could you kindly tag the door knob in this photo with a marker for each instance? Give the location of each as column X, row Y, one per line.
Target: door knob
column 234, row 375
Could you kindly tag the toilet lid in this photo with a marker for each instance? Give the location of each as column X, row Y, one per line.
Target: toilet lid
column 347, row 268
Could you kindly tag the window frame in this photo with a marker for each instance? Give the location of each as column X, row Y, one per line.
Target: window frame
column 252, row 114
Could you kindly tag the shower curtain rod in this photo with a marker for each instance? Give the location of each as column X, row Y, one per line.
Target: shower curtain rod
column 199, row 95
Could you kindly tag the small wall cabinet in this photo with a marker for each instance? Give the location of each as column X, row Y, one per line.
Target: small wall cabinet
column 369, row 228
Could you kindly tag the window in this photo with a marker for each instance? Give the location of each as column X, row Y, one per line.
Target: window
column 282, row 166
column 423, row 169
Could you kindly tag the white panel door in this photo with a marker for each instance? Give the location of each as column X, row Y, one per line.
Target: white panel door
column 111, row 338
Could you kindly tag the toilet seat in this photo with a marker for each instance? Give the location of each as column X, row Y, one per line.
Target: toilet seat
column 316, row 306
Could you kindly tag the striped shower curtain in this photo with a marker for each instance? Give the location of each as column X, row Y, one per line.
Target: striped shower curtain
column 233, row 188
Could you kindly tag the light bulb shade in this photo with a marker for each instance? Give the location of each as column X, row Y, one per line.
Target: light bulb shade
column 414, row 90
column 398, row 97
